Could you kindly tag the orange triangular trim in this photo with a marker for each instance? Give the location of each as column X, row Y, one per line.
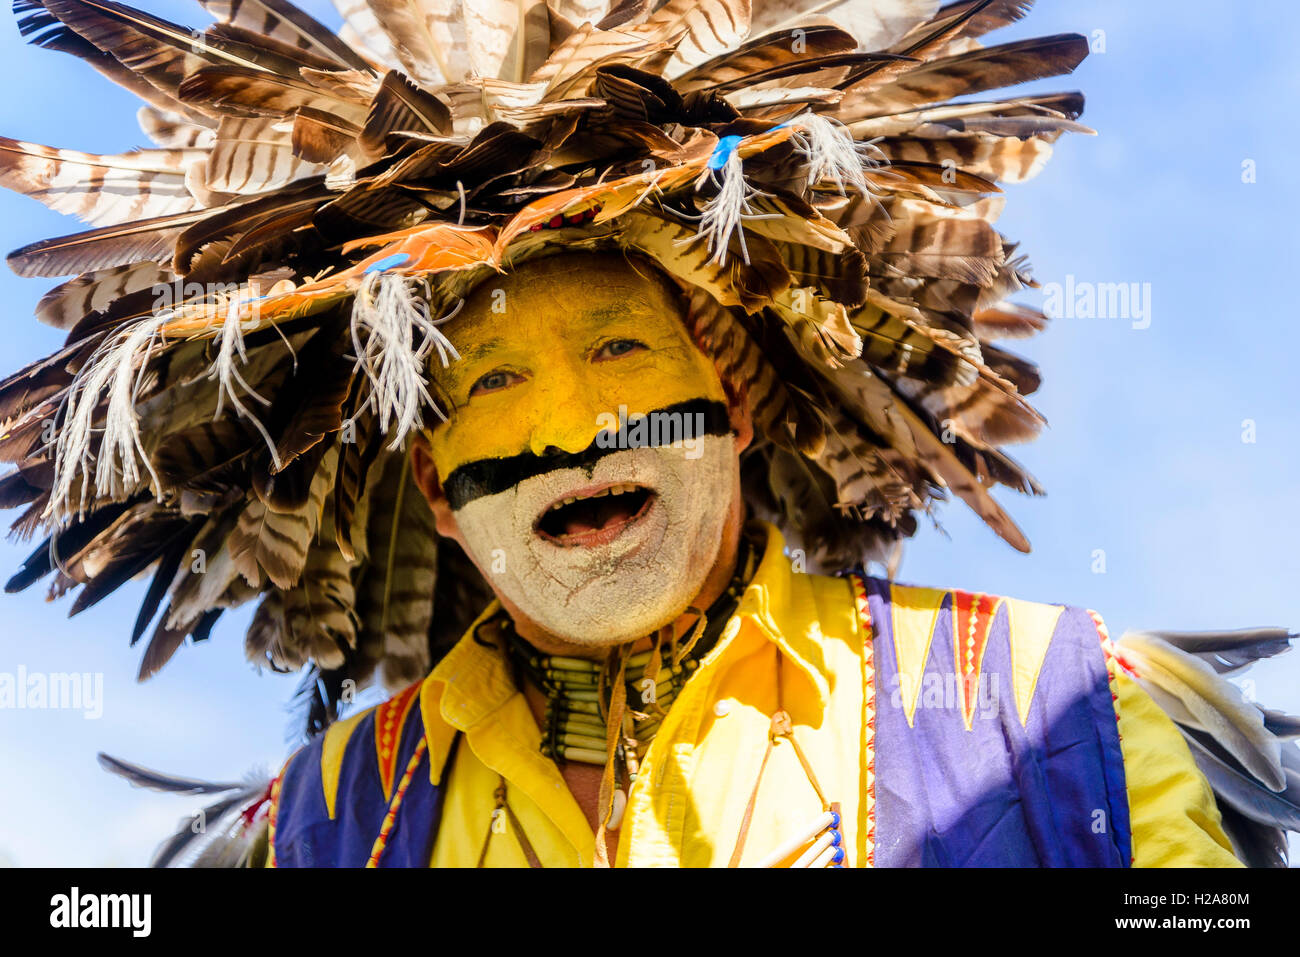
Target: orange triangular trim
column 390, row 718
column 972, row 621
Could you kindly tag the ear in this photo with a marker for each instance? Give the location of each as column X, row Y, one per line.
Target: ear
column 742, row 423
column 426, row 478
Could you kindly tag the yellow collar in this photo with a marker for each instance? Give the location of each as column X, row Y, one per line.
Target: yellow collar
column 783, row 605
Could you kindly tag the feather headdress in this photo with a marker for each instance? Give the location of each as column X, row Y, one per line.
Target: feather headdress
column 253, row 310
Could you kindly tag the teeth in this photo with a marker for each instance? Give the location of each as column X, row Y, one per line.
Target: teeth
column 612, row 490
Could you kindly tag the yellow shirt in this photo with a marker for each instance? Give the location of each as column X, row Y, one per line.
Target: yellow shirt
column 714, row 738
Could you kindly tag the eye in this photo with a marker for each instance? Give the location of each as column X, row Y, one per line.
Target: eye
column 616, row 348
column 495, row 381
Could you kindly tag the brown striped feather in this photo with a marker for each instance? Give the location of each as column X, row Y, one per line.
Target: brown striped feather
column 699, row 30
column 68, row 303
column 149, row 240
column 402, row 105
column 1007, row 320
column 875, row 25
column 969, row 73
column 170, row 130
column 277, row 542
column 240, row 90
column 281, row 21
column 362, row 33
column 765, row 52
column 253, row 155
column 395, row 589
column 100, row 189
column 162, row 52
column 427, row 37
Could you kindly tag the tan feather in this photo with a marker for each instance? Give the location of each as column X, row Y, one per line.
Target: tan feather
column 277, row 542
column 967, row 73
column 880, row 409
column 173, row 131
column 205, row 574
column 68, row 303
column 1006, row 159
column 507, row 39
column 699, row 29
column 1006, row 320
column 680, row 251
column 875, row 26
column 280, row 20
column 65, row 39
column 428, row 37
column 100, row 189
column 158, row 50
column 870, row 479
column 395, row 592
column 765, row 52
column 581, row 51
column 313, row 621
column 1213, row 703
column 579, row 12
column 321, row 137
column 258, row 92
column 148, row 240
column 253, row 155
column 742, row 366
column 362, row 32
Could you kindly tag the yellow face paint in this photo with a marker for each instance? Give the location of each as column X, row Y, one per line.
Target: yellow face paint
column 552, row 350
column 603, row 542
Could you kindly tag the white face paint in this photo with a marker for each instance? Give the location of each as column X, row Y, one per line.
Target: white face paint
column 599, row 583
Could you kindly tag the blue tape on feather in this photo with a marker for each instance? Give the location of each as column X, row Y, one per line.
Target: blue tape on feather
column 726, row 146
column 388, row 262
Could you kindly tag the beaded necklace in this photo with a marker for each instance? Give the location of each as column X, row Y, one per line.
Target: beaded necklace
column 579, row 691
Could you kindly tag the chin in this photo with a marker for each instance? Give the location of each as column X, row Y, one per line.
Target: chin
column 602, row 556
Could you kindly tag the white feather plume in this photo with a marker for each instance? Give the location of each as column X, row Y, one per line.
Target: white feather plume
column 225, row 369
column 832, row 154
column 389, row 315
column 722, row 215
column 114, row 371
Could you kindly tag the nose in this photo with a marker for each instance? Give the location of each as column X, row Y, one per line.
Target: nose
column 563, row 429
column 568, row 416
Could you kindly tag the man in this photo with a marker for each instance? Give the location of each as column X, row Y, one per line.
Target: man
column 517, row 476
column 664, row 309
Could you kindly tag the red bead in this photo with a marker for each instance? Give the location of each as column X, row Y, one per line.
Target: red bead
column 575, row 219
column 536, row 227
column 556, row 222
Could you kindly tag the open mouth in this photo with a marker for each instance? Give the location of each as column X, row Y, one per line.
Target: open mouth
column 595, row 517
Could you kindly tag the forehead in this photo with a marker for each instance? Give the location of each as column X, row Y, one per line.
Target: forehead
column 565, row 294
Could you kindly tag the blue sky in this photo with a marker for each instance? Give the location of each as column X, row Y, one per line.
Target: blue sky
column 1144, row 460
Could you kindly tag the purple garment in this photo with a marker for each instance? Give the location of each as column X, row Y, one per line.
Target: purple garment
column 1050, row 793
column 306, row 835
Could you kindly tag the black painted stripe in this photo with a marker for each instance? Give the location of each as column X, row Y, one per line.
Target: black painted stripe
column 492, row 476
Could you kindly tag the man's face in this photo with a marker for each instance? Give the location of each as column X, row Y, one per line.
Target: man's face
column 598, row 525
